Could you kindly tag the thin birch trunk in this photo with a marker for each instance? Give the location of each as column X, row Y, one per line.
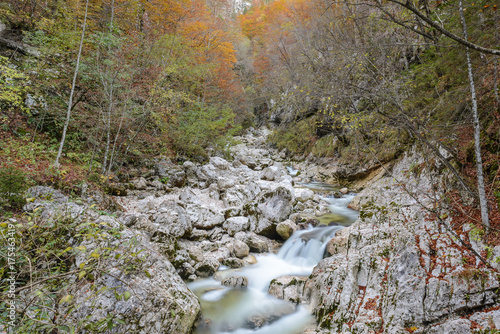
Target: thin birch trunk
column 108, row 130
column 70, row 103
column 477, row 131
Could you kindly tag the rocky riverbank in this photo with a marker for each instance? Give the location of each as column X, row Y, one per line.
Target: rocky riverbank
column 400, row 268
column 395, row 270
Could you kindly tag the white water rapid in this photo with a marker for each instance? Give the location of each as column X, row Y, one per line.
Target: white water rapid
column 251, row 310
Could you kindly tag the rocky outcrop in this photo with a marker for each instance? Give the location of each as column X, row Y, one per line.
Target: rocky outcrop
column 131, row 280
column 398, row 269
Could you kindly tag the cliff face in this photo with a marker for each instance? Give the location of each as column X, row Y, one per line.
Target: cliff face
column 399, row 269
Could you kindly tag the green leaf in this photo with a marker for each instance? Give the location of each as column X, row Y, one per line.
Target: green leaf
column 94, row 254
column 81, row 274
column 126, row 295
column 147, row 273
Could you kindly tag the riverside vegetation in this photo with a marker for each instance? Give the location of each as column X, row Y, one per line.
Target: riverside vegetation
column 144, row 144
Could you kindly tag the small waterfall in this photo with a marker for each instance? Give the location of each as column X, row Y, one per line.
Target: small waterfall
column 292, row 171
column 234, row 310
column 230, row 309
column 307, row 247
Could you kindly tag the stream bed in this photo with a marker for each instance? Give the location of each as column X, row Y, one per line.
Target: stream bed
column 250, row 309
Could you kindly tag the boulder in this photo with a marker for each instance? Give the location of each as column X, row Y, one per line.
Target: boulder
column 250, row 259
column 236, row 224
column 233, row 262
column 270, row 173
column 286, row 229
column 173, row 222
column 176, row 177
column 139, row 184
column 256, row 243
column 304, row 194
column 219, row 163
column 240, row 249
column 207, row 268
column 272, row 206
column 203, row 217
column 235, row 282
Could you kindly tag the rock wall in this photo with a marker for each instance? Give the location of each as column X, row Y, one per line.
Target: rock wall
column 399, row 270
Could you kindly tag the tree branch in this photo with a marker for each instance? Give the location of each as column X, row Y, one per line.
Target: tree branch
column 442, row 30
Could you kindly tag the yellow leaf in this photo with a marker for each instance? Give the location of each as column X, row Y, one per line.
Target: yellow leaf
column 66, row 299
column 81, row 274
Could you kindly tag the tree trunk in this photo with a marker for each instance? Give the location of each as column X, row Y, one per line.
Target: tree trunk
column 70, row 103
column 477, row 131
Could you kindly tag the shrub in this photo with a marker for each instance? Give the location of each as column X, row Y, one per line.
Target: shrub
column 13, row 183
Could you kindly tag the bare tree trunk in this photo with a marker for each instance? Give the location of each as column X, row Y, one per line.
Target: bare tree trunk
column 70, row 103
column 108, row 129
column 495, row 81
column 477, row 131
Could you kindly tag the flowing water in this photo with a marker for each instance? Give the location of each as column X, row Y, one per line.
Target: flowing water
column 244, row 310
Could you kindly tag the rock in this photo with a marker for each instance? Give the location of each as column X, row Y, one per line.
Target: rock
column 393, row 271
column 338, row 244
column 218, row 253
column 178, row 314
column 240, row 249
column 198, row 234
column 203, row 217
column 174, row 223
column 207, row 174
column 225, row 183
column 286, row 229
column 272, row 207
column 43, row 196
column 232, row 212
column 176, row 177
column 188, row 196
column 344, row 191
column 248, row 160
column 139, row 184
column 270, row 173
column 257, row 243
column 304, row 194
column 151, row 281
column 289, row 288
column 235, row 282
column 191, row 173
column 233, row 262
column 207, row 268
column 196, row 253
column 219, row 163
column 129, row 220
column 250, row 259
column 162, row 167
column 236, row 224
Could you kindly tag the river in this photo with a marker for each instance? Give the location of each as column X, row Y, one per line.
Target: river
column 251, row 309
